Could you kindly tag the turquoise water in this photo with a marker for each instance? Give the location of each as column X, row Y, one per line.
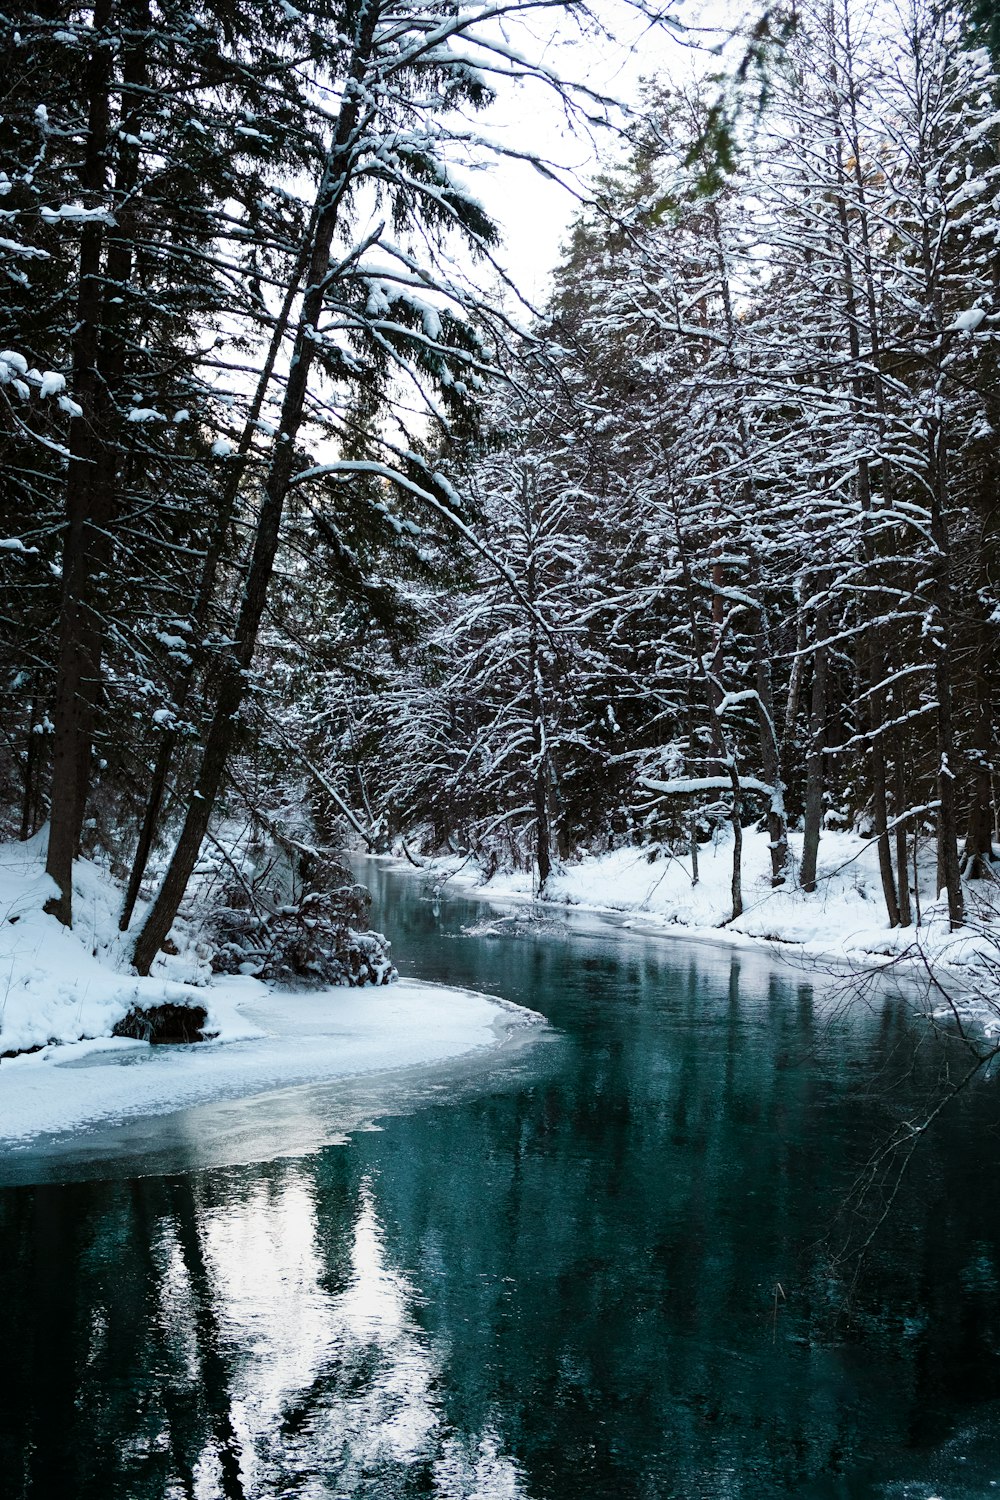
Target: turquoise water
column 621, row 1261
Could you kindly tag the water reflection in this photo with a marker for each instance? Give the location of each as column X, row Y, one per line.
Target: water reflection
column 244, row 1337
column 560, row 1286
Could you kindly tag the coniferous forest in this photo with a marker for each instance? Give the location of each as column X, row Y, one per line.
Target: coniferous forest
column 533, row 755
column 310, row 525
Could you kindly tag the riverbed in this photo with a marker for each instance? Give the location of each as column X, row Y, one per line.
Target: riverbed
column 627, row 1257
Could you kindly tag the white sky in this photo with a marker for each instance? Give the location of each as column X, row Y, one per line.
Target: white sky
column 534, row 211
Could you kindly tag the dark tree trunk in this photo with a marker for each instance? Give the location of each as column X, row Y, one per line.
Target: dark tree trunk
column 215, row 551
column 880, row 818
column 873, row 717
column 794, row 685
column 869, row 676
column 70, row 753
column 30, row 771
column 723, row 760
column 150, row 821
column 949, row 875
column 815, row 756
column 770, row 755
column 539, row 747
column 900, row 802
column 223, row 728
column 543, row 832
column 736, row 819
column 692, row 751
column 769, row 742
column 134, row 22
column 543, row 842
column 977, row 856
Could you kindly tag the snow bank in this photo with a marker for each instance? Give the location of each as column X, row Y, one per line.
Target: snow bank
column 62, row 991
column 844, row 918
column 287, row 1039
column 58, row 985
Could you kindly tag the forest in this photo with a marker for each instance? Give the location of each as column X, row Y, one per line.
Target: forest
column 499, row 780
column 312, row 528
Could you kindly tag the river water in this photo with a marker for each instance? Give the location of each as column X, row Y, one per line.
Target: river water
column 624, row 1260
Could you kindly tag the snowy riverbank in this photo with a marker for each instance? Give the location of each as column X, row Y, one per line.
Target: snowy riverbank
column 63, row 991
column 843, row 919
column 283, row 1040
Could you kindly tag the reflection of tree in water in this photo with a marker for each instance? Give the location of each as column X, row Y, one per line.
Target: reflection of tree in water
column 624, row 1248
column 564, row 1289
column 227, row 1356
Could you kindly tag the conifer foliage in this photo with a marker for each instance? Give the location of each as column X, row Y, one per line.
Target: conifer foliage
column 298, row 525
column 236, row 328
column 764, row 460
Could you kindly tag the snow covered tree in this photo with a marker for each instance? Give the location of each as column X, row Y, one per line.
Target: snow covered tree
column 776, row 389
column 381, row 310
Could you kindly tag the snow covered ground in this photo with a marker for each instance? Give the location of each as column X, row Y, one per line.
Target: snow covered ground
column 843, row 919
column 285, row 1039
column 62, row 991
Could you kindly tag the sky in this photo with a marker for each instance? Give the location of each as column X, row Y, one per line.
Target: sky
column 534, row 211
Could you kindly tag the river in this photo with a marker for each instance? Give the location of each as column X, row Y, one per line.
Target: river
column 619, row 1263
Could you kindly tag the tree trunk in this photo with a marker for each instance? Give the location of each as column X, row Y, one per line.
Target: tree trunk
column 30, row 764
column 721, row 752
column 536, row 695
column 977, row 859
column 868, row 671
column 880, row 819
column 736, row 819
column 794, row 681
column 215, row 551
column 769, row 745
column 900, row 802
column 150, row 820
column 770, row 756
column 70, row 766
column 539, row 752
column 543, row 840
column 692, row 750
column 815, row 758
column 133, row 22
column 948, row 874
column 223, row 728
